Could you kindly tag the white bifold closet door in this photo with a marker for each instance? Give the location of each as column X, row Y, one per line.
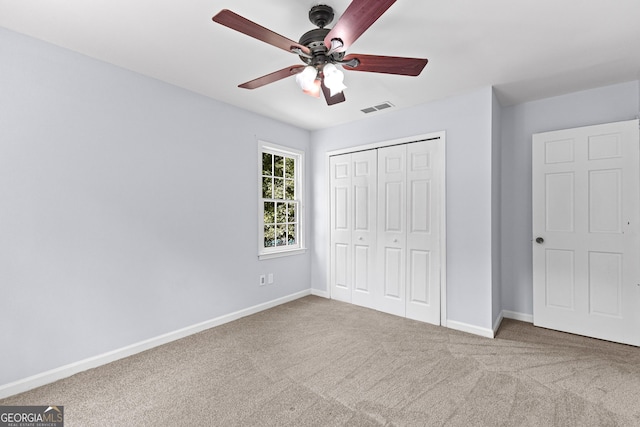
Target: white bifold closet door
column 385, row 230
column 353, row 227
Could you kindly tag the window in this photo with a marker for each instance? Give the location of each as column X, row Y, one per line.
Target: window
column 281, row 204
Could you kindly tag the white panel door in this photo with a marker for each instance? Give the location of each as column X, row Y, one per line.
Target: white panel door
column 341, row 227
column 392, row 230
column 423, row 232
column 586, row 214
column 363, row 236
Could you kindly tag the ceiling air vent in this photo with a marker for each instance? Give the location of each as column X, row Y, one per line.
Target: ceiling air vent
column 379, row 107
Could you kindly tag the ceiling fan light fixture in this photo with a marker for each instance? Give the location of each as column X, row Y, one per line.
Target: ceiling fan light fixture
column 306, row 78
column 315, row 89
column 333, row 79
column 335, row 45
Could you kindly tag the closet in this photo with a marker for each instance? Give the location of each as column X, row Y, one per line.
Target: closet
column 386, row 213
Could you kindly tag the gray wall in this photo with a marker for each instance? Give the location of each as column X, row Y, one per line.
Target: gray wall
column 607, row 104
column 467, row 121
column 128, row 208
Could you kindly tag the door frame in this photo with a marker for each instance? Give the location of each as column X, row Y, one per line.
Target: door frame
column 440, row 138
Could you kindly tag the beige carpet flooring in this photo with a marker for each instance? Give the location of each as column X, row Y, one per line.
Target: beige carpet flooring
column 316, row 362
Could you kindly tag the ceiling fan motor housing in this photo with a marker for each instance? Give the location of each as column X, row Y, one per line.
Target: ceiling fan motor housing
column 319, row 15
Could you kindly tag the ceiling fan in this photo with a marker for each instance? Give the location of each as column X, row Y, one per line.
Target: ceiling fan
column 321, row 49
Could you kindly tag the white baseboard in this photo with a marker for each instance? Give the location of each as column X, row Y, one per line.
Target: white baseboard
column 496, row 324
column 488, row 333
column 471, row 329
column 319, row 293
column 517, row 316
column 56, row 374
column 506, row 314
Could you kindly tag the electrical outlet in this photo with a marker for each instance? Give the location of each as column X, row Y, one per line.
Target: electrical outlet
column 262, row 280
column 271, row 278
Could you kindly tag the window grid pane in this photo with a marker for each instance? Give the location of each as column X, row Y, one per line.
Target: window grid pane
column 278, row 166
column 267, row 187
column 267, row 164
column 291, row 234
column 289, row 189
column 278, row 188
column 290, row 167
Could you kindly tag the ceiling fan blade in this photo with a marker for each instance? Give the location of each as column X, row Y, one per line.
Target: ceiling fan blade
column 236, row 22
column 331, row 100
column 386, row 64
column 359, row 16
column 272, row 77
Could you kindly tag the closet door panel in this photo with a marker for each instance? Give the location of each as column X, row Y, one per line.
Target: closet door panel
column 361, row 267
column 341, row 227
column 363, row 236
column 419, row 277
column 423, row 232
column 392, row 228
column 394, row 211
column 393, row 269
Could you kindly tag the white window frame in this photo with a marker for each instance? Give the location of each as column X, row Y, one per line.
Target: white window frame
column 299, row 247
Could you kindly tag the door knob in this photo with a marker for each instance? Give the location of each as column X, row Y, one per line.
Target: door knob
column 539, row 240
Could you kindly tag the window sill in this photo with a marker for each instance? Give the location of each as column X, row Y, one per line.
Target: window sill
column 280, row 254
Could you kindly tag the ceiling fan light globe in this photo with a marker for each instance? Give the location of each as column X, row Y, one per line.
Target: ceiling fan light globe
column 314, row 90
column 333, row 79
column 306, row 78
column 329, row 70
column 336, row 88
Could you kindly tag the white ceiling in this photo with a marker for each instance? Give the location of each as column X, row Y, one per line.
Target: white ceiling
column 527, row 49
